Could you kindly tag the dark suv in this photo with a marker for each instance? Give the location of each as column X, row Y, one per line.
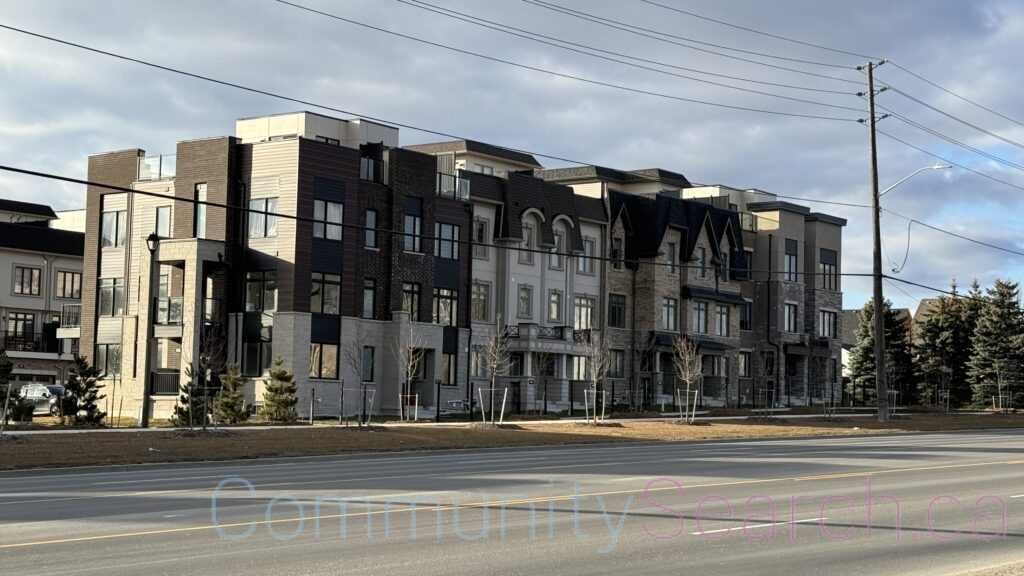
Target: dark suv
column 44, row 398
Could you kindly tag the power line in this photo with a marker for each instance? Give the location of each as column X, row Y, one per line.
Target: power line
column 954, row 94
column 955, row 235
column 900, row 288
column 769, row 35
column 598, row 19
column 557, row 42
column 561, row 74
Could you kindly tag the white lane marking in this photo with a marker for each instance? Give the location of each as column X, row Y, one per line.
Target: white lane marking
column 1018, row 496
column 703, row 532
column 509, row 460
column 181, row 479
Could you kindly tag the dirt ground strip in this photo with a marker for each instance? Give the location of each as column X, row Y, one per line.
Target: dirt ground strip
column 135, row 447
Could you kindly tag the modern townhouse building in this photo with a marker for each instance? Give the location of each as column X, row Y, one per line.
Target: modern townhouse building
column 40, row 292
column 331, row 265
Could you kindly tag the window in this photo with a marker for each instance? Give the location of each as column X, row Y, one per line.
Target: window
column 791, row 311
column 327, row 218
column 480, row 301
column 256, row 356
column 616, row 363
column 367, row 374
column 748, row 263
column 483, row 168
column 668, row 314
column 369, row 297
column 262, row 217
column 108, row 359
column 200, row 213
column 480, row 238
column 446, row 240
column 326, row 140
column 716, row 366
column 525, row 307
column 616, row 311
column 829, row 269
column 744, row 364
column 26, row 280
column 413, row 224
column 579, row 368
column 69, row 284
column 826, row 324
column 21, row 324
column 446, row 306
column 163, row 221
column 616, row 254
column 370, row 234
column 746, row 318
column 411, row 300
column 700, row 317
column 114, row 226
column 448, row 366
column 325, row 296
column 702, row 262
column 323, row 360
column 584, row 313
column 585, row 263
column 722, row 266
column 670, row 257
column 554, row 306
column 261, row 291
column 515, row 364
column 526, row 254
column 721, row 320
column 112, row 297
column 477, row 364
column 556, row 260
column 790, row 263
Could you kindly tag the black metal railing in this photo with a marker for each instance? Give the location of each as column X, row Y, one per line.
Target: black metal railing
column 168, row 311
column 20, row 341
column 166, row 383
column 512, row 331
column 582, row 336
column 549, row 332
column 71, row 316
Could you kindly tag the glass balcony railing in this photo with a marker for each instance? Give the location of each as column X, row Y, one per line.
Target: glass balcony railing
column 451, row 186
column 157, row 167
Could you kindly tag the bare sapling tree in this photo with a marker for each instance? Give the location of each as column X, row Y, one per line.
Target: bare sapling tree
column 495, row 356
column 598, row 358
column 408, row 350
column 686, row 367
column 353, row 355
column 541, row 360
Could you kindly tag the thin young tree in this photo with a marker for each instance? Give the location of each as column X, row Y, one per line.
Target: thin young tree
column 495, row 356
column 409, row 352
column 541, row 360
column 229, row 403
column 598, row 357
column 280, row 398
column 686, row 366
column 353, row 355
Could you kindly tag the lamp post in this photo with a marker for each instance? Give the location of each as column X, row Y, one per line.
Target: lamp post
column 881, row 386
column 152, row 243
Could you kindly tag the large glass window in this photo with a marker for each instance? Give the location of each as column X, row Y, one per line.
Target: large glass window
column 69, row 284
column 261, row 291
column 446, row 306
column 616, row 311
column 827, row 323
column 327, row 219
column 525, row 307
column 112, row 297
column 526, row 253
column 480, row 238
column 370, row 237
column 369, row 297
column 27, row 280
column 700, row 317
column 163, row 221
column 446, row 240
column 791, row 312
column 323, row 360
column 702, row 262
column 413, row 225
column 668, row 314
column 411, row 300
column 257, row 355
column 480, row 302
column 583, row 313
column 448, row 370
column 616, row 253
column 746, row 316
column 829, row 269
column 367, row 374
column 789, row 270
column 114, row 227
column 556, row 260
column 670, row 257
column 585, row 263
column 721, row 320
column 200, row 223
column 744, row 364
column 554, row 306
column 21, row 324
column 616, row 363
column 108, row 359
column 325, row 297
column 262, row 217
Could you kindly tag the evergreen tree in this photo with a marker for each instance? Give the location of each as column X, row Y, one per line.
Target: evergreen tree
column 279, row 399
column 996, row 363
column 192, row 407
column 81, row 395
column 229, row 402
column 898, row 359
column 945, row 351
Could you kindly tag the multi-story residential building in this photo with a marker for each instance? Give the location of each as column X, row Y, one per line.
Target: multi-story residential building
column 333, row 265
column 40, row 292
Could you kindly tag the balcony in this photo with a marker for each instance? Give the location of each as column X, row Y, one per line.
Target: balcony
column 157, row 167
column 451, row 186
column 581, row 336
column 512, row 331
column 70, row 321
column 166, row 383
column 550, row 332
column 21, row 341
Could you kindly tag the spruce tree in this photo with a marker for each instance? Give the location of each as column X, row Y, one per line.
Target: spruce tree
column 996, row 364
column 191, row 409
column 81, row 395
column 279, row 399
column 898, row 358
column 945, row 350
column 229, row 405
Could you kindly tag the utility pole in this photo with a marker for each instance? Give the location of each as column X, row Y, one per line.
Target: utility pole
column 881, row 386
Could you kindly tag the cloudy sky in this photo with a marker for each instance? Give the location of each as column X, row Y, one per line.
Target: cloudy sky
column 624, row 83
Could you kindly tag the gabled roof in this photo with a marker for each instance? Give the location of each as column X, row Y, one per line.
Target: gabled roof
column 476, row 147
column 36, row 238
column 41, row 210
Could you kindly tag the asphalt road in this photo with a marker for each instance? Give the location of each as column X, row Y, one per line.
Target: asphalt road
column 939, row 504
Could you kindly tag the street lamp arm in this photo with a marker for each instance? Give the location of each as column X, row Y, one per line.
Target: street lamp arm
column 911, row 175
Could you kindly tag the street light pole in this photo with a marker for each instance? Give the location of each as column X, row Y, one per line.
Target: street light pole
column 152, row 243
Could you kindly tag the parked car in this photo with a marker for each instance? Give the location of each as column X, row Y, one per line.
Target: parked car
column 44, row 398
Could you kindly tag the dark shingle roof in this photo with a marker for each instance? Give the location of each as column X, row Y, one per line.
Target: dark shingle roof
column 41, row 239
column 477, row 147
column 27, row 208
column 613, row 175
